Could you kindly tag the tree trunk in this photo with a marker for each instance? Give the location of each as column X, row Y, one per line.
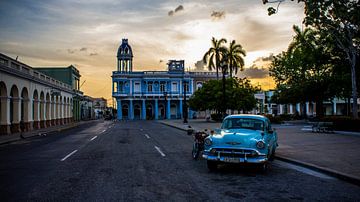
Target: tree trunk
column 353, row 84
column 224, row 99
column 319, row 108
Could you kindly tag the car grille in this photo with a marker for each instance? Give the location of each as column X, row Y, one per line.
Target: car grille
column 240, row 153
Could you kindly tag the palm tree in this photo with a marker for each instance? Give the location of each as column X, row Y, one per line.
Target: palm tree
column 214, row 55
column 234, row 56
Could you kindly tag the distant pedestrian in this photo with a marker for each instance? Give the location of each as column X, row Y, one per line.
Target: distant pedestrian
column 22, row 129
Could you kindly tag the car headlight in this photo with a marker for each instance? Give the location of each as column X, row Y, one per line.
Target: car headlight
column 208, row 141
column 260, row 144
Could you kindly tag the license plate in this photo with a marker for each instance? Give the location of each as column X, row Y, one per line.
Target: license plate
column 232, row 160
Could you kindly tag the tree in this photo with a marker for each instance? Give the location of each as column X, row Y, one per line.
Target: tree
column 239, row 95
column 340, row 18
column 235, row 60
column 214, row 55
column 305, row 71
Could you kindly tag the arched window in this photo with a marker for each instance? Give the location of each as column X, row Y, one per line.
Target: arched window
column 150, row 87
column 162, row 87
column 115, row 86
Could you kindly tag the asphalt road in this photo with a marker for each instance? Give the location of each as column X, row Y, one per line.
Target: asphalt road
column 145, row 161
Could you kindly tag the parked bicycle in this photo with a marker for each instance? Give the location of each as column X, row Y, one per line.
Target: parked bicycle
column 198, row 145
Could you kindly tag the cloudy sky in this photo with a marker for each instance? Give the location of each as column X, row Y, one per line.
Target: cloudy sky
column 87, row 33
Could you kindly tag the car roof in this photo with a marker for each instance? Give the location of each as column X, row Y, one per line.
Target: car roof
column 253, row 116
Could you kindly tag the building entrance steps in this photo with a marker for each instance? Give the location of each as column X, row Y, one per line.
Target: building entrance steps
column 336, row 154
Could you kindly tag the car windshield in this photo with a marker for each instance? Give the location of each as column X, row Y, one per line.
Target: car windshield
column 246, row 123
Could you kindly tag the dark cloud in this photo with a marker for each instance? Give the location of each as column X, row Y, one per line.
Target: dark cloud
column 217, row 15
column 255, row 72
column 83, row 49
column 200, row 65
column 177, row 9
column 265, row 59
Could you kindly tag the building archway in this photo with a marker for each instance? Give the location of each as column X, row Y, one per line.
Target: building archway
column 42, row 110
column 125, row 111
column 35, row 112
column 149, row 112
column 137, row 112
column 47, row 110
column 162, row 111
column 4, row 128
column 173, row 110
column 14, row 110
column 25, row 108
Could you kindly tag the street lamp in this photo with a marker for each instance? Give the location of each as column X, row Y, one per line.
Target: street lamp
column 165, row 97
column 184, row 104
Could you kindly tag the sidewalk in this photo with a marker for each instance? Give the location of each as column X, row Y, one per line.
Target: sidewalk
column 335, row 154
column 4, row 139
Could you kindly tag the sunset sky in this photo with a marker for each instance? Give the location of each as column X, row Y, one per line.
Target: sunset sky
column 87, row 33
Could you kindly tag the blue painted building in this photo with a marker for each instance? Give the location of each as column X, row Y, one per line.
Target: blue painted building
column 153, row 94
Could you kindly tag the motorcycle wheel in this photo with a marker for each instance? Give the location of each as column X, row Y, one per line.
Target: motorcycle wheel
column 195, row 151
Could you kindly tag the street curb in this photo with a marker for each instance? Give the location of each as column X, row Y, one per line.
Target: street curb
column 342, row 176
column 39, row 134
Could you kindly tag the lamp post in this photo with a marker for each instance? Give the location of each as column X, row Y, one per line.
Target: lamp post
column 165, row 98
column 184, row 104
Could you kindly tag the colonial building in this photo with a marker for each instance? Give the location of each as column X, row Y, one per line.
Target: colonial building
column 71, row 76
column 336, row 106
column 153, row 94
column 30, row 96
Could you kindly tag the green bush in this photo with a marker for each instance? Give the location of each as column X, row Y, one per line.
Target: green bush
column 343, row 123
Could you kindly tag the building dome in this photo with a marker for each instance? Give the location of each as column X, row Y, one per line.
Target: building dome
column 124, row 57
column 124, row 51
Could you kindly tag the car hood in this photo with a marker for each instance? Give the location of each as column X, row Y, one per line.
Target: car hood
column 243, row 138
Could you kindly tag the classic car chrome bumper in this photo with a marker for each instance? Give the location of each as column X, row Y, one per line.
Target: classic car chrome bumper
column 235, row 155
column 257, row 159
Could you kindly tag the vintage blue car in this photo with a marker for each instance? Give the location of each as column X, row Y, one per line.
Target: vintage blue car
column 241, row 139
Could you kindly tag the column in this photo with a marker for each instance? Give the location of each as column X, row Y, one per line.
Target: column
column 27, row 116
column 119, row 109
column 131, row 110
column 48, row 113
column 42, row 114
column 281, row 109
column 36, row 114
column 291, row 109
column 143, row 110
column 181, row 108
column 168, row 109
column 334, row 107
column 15, row 125
column 156, row 109
column 5, row 115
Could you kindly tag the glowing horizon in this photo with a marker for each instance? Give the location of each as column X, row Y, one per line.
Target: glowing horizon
column 87, row 34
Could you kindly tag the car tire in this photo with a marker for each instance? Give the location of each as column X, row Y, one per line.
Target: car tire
column 212, row 165
column 264, row 167
column 195, row 151
column 272, row 156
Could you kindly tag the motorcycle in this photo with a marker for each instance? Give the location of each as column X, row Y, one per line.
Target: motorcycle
column 198, row 145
